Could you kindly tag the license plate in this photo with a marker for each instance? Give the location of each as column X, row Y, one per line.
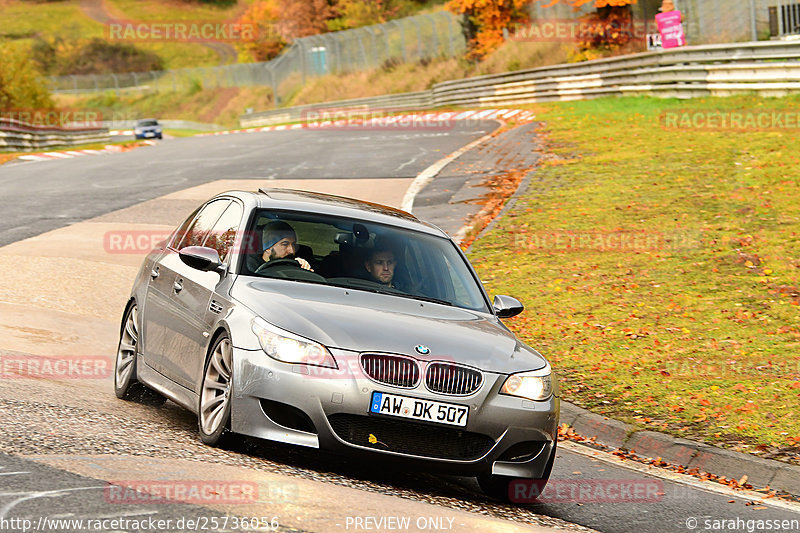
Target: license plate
column 149, row 134
column 416, row 409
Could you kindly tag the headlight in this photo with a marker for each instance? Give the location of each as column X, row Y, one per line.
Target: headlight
column 290, row 348
column 138, row 131
column 536, row 385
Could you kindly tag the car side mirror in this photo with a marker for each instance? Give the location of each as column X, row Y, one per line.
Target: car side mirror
column 506, row 306
column 201, row 258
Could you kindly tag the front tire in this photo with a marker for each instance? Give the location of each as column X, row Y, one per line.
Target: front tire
column 126, row 386
column 214, row 409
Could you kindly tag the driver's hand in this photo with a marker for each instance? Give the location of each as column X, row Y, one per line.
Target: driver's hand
column 303, row 263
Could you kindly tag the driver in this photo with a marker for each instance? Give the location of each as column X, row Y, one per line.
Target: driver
column 280, row 242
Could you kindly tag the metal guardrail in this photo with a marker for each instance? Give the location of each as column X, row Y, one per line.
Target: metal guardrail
column 767, row 68
column 19, row 136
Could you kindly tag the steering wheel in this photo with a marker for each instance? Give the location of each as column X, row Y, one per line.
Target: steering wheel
column 277, row 262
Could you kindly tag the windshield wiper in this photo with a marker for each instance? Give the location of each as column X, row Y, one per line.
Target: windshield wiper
column 394, row 292
column 420, row 297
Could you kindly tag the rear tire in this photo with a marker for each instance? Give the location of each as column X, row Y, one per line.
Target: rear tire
column 126, row 386
column 498, row 487
column 214, row 406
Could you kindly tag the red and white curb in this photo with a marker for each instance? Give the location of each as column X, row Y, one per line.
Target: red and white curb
column 408, row 120
column 45, row 156
column 120, row 132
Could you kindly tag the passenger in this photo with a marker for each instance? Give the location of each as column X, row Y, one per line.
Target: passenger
column 380, row 264
column 280, row 242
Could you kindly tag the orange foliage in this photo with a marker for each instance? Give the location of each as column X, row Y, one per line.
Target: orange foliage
column 301, row 18
column 266, row 42
column 579, row 3
column 487, row 19
column 610, row 27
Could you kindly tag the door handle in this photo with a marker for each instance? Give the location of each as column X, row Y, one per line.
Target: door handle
column 177, row 286
column 154, row 273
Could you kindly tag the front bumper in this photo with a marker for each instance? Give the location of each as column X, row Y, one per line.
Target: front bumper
column 337, row 404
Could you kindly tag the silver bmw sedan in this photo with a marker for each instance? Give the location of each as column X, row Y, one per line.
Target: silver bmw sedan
column 343, row 325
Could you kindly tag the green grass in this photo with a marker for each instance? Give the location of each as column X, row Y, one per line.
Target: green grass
column 64, row 19
column 172, row 10
column 219, row 106
column 692, row 329
column 22, row 20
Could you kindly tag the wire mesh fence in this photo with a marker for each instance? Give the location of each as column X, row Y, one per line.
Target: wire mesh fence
column 403, row 40
column 704, row 21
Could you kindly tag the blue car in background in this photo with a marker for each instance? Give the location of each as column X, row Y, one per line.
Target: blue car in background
column 148, row 128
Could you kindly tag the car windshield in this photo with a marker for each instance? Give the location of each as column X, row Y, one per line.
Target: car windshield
column 145, row 123
column 359, row 255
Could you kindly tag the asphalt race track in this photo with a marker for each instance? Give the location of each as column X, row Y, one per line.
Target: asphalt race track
column 64, row 441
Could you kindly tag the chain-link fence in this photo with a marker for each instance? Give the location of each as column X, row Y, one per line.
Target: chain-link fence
column 409, row 39
column 705, row 21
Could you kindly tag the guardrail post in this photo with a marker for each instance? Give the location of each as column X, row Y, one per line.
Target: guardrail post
column 74, row 83
column 116, row 84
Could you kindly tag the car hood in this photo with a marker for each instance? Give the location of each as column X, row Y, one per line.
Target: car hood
column 363, row 321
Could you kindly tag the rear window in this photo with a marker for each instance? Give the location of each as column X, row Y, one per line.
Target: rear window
column 147, row 123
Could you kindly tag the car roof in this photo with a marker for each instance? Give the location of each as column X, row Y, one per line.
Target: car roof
column 329, row 204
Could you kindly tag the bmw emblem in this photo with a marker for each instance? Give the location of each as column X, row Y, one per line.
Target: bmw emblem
column 422, row 350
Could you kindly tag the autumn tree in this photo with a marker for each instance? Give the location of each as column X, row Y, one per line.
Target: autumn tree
column 609, row 28
column 358, row 13
column 484, row 22
column 301, row 18
column 264, row 41
column 21, row 85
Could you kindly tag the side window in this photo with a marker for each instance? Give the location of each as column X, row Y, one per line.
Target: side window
column 178, row 235
column 202, row 225
column 223, row 234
